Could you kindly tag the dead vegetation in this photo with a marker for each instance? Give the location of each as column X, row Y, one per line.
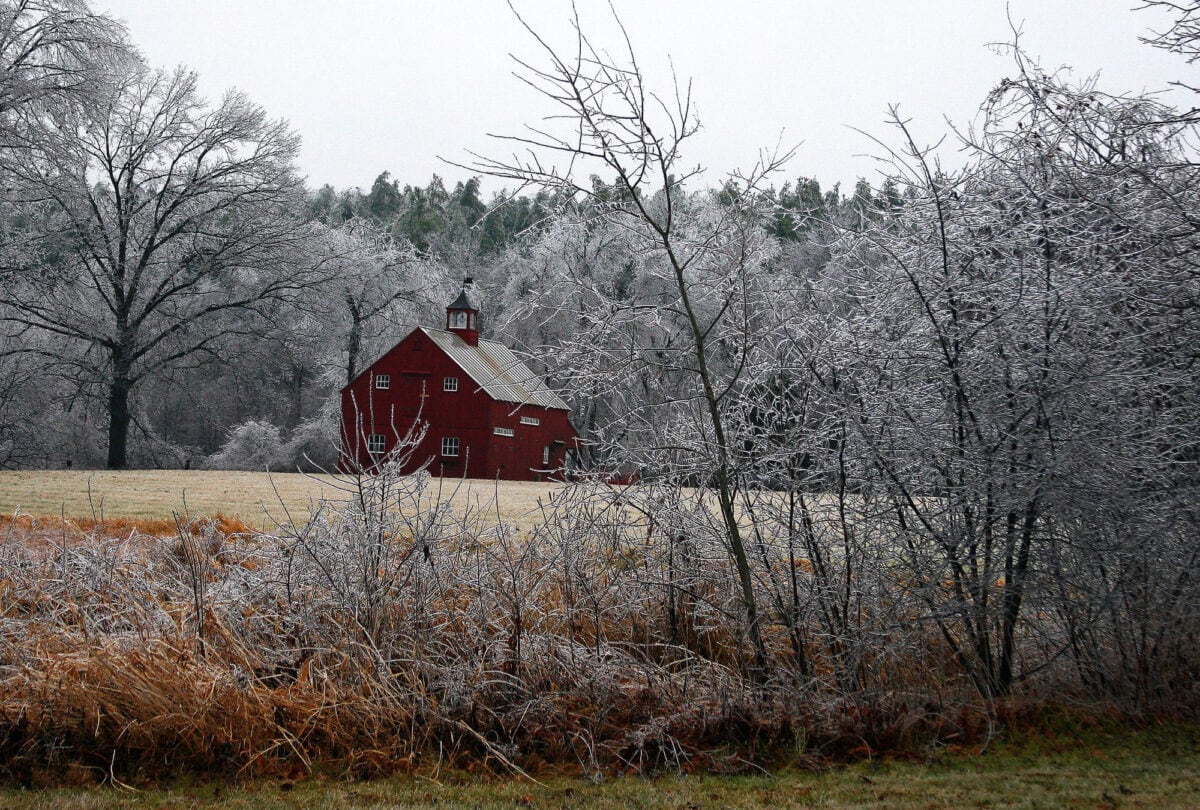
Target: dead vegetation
column 398, row 632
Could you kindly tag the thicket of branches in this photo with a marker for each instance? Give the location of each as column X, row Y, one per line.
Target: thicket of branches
column 991, row 371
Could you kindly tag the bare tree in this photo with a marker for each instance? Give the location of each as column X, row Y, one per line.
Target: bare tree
column 1002, row 330
column 694, row 327
column 166, row 225
column 372, row 276
column 1182, row 35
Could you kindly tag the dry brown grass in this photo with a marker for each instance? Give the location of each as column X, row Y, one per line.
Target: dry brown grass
column 258, row 499
column 368, row 643
column 419, row 629
column 52, row 532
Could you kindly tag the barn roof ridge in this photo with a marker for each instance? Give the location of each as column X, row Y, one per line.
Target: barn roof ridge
column 497, row 370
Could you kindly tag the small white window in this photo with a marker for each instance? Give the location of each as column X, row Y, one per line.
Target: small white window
column 545, row 456
column 530, row 420
column 503, row 431
column 450, row 384
column 383, row 381
column 376, row 443
column 458, row 319
column 450, row 446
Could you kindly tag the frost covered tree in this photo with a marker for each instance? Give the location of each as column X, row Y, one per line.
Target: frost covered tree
column 53, row 53
column 694, row 334
column 1018, row 361
column 165, row 225
column 375, row 281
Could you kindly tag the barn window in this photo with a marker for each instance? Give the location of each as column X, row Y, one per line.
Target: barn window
column 545, row 456
column 383, row 381
column 503, row 431
column 458, row 319
column 376, row 443
column 450, row 384
column 530, row 420
column 450, row 446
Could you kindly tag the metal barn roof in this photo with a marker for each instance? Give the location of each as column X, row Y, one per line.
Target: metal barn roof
column 496, row 370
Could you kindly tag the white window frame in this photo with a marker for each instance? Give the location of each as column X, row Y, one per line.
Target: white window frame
column 376, row 444
column 503, row 431
column 450, row 384
column 530, row 420
column 383, row 381
column 546, row 455
column 458, row 319
column 451, row 446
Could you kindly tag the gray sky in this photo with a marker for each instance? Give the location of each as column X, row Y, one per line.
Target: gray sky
column 394, row 84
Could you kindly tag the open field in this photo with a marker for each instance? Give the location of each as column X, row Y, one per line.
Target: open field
column 1157, row 767
column 258, row 499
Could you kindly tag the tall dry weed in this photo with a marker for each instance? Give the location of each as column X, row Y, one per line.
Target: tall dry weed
column 396, row 633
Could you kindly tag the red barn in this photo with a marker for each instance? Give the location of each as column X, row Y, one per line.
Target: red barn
column 485, row 413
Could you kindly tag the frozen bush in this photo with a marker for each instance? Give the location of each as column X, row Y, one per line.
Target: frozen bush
column 313, row 445
column 252, row 445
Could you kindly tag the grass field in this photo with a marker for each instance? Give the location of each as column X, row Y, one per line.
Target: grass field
column 1111, row 768
column 258, row 499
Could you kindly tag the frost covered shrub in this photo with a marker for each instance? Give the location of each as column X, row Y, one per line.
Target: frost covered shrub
column 405, row 625
column 252, row 445
column 313, row 445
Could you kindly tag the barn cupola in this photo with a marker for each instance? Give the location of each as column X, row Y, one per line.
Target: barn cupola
column 462, row 316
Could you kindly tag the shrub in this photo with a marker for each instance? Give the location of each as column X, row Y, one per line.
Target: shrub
column 313, row 445
column 252, row 445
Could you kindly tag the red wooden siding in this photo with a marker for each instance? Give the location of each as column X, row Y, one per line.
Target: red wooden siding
column 417, row 368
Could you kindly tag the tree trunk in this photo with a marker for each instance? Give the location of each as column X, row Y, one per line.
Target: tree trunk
column 118, row 419
column 722, row 477
column 299, row 374
column 354, row 342
column 1014, row 593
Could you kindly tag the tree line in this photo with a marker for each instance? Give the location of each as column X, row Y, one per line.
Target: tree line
column 171, row 286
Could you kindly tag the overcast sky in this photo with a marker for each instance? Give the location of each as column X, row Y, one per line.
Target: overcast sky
column 374, row 85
